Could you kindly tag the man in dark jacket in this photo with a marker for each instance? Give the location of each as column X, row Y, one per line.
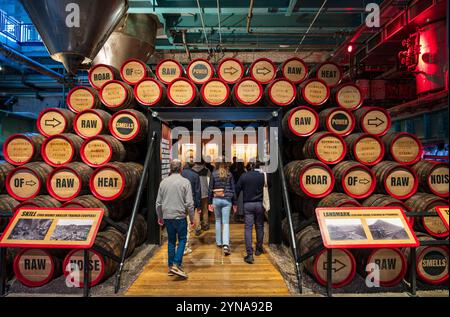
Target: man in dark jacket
column 194, row 179
column 252, row 184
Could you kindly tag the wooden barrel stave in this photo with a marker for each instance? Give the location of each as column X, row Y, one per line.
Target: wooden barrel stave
column 433, row 177
column 313, row 92
column 54, row 121
column 91, row 122
column 5, row 169
column 354, row 179
column 82, row 98
column 22, row 148
column 102, row 149
column 402, row 147
column 117, row 95
column 332, row 200
column 67, row 182
column 327, row 147
column 150, row 92
column 395, row 180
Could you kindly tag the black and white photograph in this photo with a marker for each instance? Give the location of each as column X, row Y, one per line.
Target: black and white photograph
column 30, row 229
column 72, row 230
column 387, row 229
column 345, row 229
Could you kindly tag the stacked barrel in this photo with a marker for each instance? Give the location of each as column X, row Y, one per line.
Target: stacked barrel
column 87, row 156
column 339, row 153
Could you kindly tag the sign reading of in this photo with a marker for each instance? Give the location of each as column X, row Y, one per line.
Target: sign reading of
column 365, row 227
column 443, row 213
column 74, row 228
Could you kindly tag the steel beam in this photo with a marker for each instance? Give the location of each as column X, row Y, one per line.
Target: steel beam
column 291, row 7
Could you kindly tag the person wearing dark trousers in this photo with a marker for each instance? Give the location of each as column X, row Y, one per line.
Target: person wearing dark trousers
column 202, row 217
column 194, row 179
column 251, row 184
column 173, row 204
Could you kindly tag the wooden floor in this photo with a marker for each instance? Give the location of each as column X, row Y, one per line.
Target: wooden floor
column 210, row 272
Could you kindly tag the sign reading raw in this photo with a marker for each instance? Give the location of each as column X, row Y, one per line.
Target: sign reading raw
column 74, row 228
column 443, row 213
column 365, row 227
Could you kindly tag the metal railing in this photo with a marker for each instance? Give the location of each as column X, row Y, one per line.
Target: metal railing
column 18, row 31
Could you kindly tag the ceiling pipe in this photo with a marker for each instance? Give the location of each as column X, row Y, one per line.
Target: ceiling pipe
column 312, row 22
column 30, row 63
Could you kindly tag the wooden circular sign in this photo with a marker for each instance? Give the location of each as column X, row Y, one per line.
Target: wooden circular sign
column 230, row 70
column 23, row 184
column 82, row 98
column 124, row 125
column 58, row 150
column 133, row 71
column 148, row 92
column 348, row 96
column 432, row 264
column 317, row 181
column 373, row 120
column 53, row 121
column 330, row 149
column 295, row 70
column 64, row 184
column 405, row 148
column 96, row 152
column 100, row 74
column 330, row 73
column 438, row 180
column 107, row 183
column 392, row 265
column 401, row 182
column 215, row 92
column 168, row 70
column 303, row 121
column 34, row 267
column 20, row 149
column 263, row 70
column 339, row 121
column 282, row 92
column 114, row 94
column 181, row 92
column 73, row 267
column 199, row 71
column 343, row 265
column 358, row 182
column 248, row 92
column 368, row 150
column 315, row 92
column 90, row 123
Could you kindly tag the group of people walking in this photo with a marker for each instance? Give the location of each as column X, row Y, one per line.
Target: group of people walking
column 190, row 192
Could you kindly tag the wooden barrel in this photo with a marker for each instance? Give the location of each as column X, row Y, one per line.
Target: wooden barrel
column 99, row 150
column 337, row 120
column 402, row 147
column 247, row 92
column 313, row 92
column 28, row 181
column 100, row 74
column 309, row 178
column 36, row 267
column 215, row 92
column 114, row 210
column 327, row 147
column 5, row 169
column 280, row 93
column 263, row 70
column 343, row 262
column 168, row 70
column 432, row 261
column 396, row 180
column 433, row 177
column 380, row 200
column 129, row 126
column 181, row 92
column 115, row 181
column 372, row 120
column 330, row 73
column 91, row 122
column 332, row 200
column 67, row 182
column 83, row 98
column 347, row 96
column 7, row 203
column 294, row 69
column 421, row 202
column 58, row 150
column 391, row 262
column 8, row 263
column 21, row 148
column 41, row 201
column 354, row 179
column 138, row 233
column 296, row 222
column 365, row 148
column 200, row 71
column 300, row 122
column 230, row 70
column 117, row 95
column 53, row 121
column 150, row 92
column 134, row 70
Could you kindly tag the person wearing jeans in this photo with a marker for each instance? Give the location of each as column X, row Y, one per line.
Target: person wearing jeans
column 173, row 204
column 222, row 198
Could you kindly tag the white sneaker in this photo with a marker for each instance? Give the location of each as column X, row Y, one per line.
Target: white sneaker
column 187, row 251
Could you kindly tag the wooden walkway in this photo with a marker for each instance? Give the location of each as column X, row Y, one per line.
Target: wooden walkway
column 211, row 273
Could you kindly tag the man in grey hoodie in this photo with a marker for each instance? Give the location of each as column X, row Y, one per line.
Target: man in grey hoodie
column 173, row 204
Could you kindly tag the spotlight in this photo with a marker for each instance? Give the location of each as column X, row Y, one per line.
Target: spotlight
column 350, row 48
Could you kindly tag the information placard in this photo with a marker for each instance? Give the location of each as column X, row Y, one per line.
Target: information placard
column 74, row 228
column 365, row 227
column 443, row 213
